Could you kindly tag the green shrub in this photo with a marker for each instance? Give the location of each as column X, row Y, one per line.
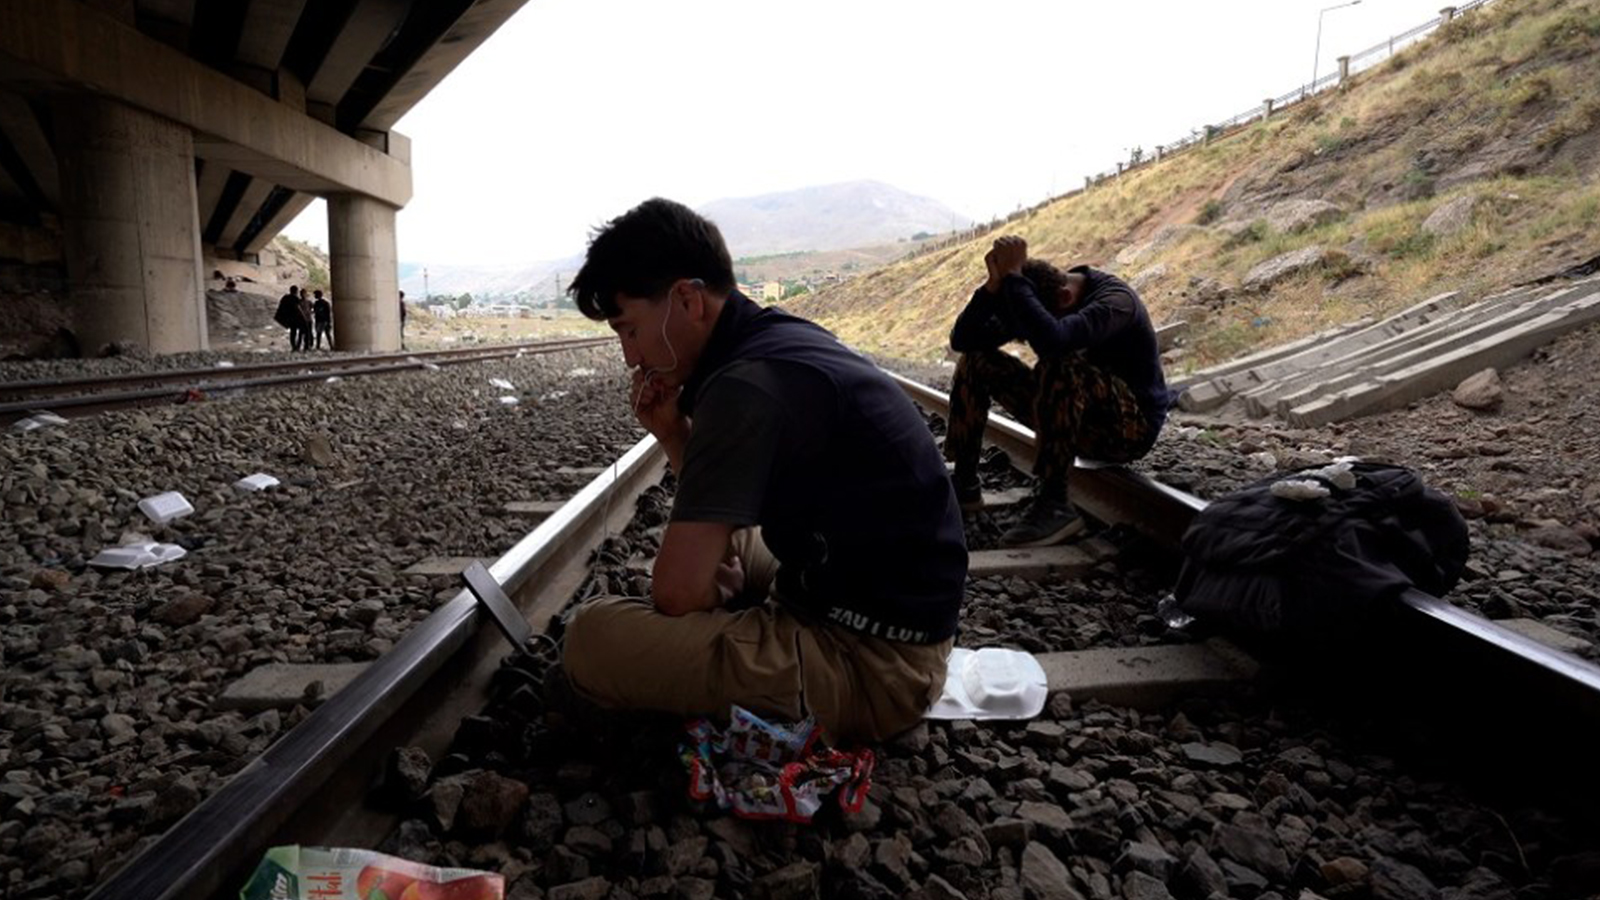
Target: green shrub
column 1211, row 212
column 1329, row 143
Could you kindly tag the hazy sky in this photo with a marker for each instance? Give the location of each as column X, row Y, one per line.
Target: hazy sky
column 575, row 111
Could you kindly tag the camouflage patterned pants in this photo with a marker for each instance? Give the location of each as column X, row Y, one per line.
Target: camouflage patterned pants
column 1076, row 410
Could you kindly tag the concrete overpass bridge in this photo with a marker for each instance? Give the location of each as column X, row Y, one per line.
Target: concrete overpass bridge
column 137, row 136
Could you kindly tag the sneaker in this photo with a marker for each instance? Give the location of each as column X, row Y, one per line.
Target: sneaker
column 1047, row 522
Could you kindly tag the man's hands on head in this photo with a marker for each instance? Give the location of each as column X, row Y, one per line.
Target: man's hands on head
column 1010, row 252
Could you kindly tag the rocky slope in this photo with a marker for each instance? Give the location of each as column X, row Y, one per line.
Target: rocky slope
column 1469, row 161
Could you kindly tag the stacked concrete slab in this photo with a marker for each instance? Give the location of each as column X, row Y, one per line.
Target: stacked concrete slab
column 1369, row 368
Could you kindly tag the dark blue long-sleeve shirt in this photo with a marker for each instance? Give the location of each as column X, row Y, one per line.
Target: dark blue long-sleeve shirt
column 1109, row 325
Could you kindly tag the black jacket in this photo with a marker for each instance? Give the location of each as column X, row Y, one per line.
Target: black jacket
column 869, row 535
column 288, row 313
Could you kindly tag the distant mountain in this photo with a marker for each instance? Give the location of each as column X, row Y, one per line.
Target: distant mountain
column 829, row 217
column 537, row 279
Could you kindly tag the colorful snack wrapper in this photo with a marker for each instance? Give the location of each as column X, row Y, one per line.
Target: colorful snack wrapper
column 335, row 873
column 758, row 770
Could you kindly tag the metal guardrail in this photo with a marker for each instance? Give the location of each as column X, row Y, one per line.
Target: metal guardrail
column 1359, row 62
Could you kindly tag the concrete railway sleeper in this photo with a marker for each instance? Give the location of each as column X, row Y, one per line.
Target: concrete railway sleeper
column 83, row 396
column 1262, row 789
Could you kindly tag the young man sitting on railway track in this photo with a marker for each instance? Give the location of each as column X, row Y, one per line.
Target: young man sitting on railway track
column 1097, row 391
column 781, row 438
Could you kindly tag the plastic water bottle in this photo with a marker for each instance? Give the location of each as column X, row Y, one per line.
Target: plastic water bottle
column 1169, row 612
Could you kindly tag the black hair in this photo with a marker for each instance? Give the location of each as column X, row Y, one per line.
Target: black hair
column 1047, row 280
column 643, row 251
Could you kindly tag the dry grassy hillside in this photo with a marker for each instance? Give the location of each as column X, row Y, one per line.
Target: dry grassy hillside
column 1495, row 116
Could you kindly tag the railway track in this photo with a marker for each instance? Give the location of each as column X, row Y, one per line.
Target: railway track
column 94, row 394
column 308, row 788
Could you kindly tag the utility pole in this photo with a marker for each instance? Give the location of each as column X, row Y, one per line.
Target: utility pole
column 424, row 285
column 1316, row 56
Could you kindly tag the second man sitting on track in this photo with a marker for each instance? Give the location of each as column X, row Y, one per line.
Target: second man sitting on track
column 1097, row 391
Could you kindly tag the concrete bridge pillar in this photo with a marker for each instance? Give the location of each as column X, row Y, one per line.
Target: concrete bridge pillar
column 130, row 227
column 364, row 273
column 1344, row 70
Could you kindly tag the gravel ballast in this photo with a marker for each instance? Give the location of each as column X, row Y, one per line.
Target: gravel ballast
column 108, row 725
column 1249, row 795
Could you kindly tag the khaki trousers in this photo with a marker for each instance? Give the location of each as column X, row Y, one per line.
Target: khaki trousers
column 621, row 653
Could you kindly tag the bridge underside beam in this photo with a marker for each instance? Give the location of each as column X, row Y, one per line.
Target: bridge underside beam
column 47, row 48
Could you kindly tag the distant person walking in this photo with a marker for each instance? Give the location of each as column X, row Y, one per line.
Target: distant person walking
column 306, row 316
column 288, row 315
column 403, row 320
column 322, row 314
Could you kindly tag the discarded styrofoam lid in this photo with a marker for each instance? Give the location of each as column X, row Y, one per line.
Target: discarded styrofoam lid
column 38, row 420
column 163, row 508
column 224, row 363
column 260, row 481
column 581, row 372
column 332, row 378
column 137, row 556
column 509, row 400
column 502, row 384
column 431, row 367
column 992, row 683
column 553, row 395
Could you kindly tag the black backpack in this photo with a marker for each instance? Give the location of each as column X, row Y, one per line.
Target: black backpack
column 288, row 314
column 1321, row 567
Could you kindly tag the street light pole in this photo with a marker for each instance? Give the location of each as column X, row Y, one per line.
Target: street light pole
column 1316, row 56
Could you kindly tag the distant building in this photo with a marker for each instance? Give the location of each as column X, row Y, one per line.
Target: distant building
column 442, row 311
column 504, row 311
column 772, row 291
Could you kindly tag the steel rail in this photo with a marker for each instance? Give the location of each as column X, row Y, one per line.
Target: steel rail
column 101, row 401
column 17, row 389
column 1118, row 495
column 290, row 793
column 412, row 694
